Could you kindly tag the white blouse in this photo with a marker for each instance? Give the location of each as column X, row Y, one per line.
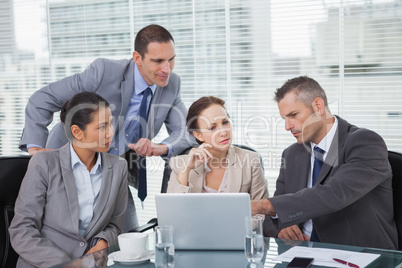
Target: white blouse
column 224, row 183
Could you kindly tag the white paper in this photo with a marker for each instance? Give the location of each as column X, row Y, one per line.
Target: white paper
column 325, row 256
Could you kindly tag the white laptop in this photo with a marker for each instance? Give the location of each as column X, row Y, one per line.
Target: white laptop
column 205, row 221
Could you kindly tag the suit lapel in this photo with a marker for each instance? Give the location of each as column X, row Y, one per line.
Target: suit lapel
column 303, row 162
column 197, row 179
column 104, row 192
column 233, row 175
column 333, row 155
column 127, row 88
column 69, row 184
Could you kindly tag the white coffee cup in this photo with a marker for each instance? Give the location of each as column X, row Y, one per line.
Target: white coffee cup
column 133, row 245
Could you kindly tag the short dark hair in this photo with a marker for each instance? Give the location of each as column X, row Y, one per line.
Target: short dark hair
column 149, row 34
column 79, row 110
column 305, row 88
column 197, row 108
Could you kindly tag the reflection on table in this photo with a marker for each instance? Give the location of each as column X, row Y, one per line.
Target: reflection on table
column 233, row 259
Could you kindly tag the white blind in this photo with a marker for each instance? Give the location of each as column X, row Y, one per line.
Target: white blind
column 240, row 51
column 20, row 72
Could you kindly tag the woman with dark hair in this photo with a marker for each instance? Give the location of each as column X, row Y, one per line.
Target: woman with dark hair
column 72, row 200
column 215, row 166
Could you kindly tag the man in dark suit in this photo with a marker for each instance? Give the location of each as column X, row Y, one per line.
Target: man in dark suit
column 123, row 83
column 334, row 184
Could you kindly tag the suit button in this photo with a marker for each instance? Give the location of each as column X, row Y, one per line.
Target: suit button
column 82, row 244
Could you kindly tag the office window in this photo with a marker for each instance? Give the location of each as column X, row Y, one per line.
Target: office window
column 240, row 51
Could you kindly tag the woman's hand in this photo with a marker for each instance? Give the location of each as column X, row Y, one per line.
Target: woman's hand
column 102, row 244
column 95, row 257
column 197, row 156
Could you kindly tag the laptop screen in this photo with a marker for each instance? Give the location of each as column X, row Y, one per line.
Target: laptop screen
column 205, row 220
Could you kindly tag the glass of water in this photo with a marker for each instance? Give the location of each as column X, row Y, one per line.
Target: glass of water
column 164, row 247
column 254, row 239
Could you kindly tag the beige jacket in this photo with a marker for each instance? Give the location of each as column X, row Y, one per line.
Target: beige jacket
column 245, row 175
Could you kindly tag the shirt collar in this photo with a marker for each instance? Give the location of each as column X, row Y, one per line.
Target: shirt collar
column 75, row 160
column 139, row 83
column 325, row 143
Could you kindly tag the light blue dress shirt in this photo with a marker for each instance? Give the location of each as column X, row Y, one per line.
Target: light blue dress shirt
column 131, row 119
column 88, row 185
column 135, row 101
column 133, row 112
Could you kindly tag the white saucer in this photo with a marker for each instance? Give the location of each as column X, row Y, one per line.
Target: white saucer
column 119, row 257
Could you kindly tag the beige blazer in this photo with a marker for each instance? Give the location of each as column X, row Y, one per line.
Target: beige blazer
column 245, row 175
column 45, row 228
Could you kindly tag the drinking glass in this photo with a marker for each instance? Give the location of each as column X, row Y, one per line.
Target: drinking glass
column 254, row 239
column 164, row 247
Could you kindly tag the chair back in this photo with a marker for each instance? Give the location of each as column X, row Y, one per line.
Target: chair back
column 395, row 159
column 167, row 171
column 12, row 171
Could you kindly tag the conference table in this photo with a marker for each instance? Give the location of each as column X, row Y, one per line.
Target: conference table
column 234, row 259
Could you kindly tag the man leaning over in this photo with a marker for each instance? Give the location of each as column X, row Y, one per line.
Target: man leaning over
column 122, row 83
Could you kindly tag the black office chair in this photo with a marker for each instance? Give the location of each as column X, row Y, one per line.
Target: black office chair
column 395, row 159
column 165, row 180
column 12, row 171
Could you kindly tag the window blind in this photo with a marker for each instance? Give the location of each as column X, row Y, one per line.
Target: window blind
column 240, row 51
column 21, row 71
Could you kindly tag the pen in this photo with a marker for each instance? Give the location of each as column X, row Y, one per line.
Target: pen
column 346, row 263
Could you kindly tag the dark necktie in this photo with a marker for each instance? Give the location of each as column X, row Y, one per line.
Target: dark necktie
column 142, row 161
column 318, row 161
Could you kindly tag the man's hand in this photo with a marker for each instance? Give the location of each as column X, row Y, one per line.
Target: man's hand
column 293, row 233
column 34, row 150
column 145, row 147
column 263, row 206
